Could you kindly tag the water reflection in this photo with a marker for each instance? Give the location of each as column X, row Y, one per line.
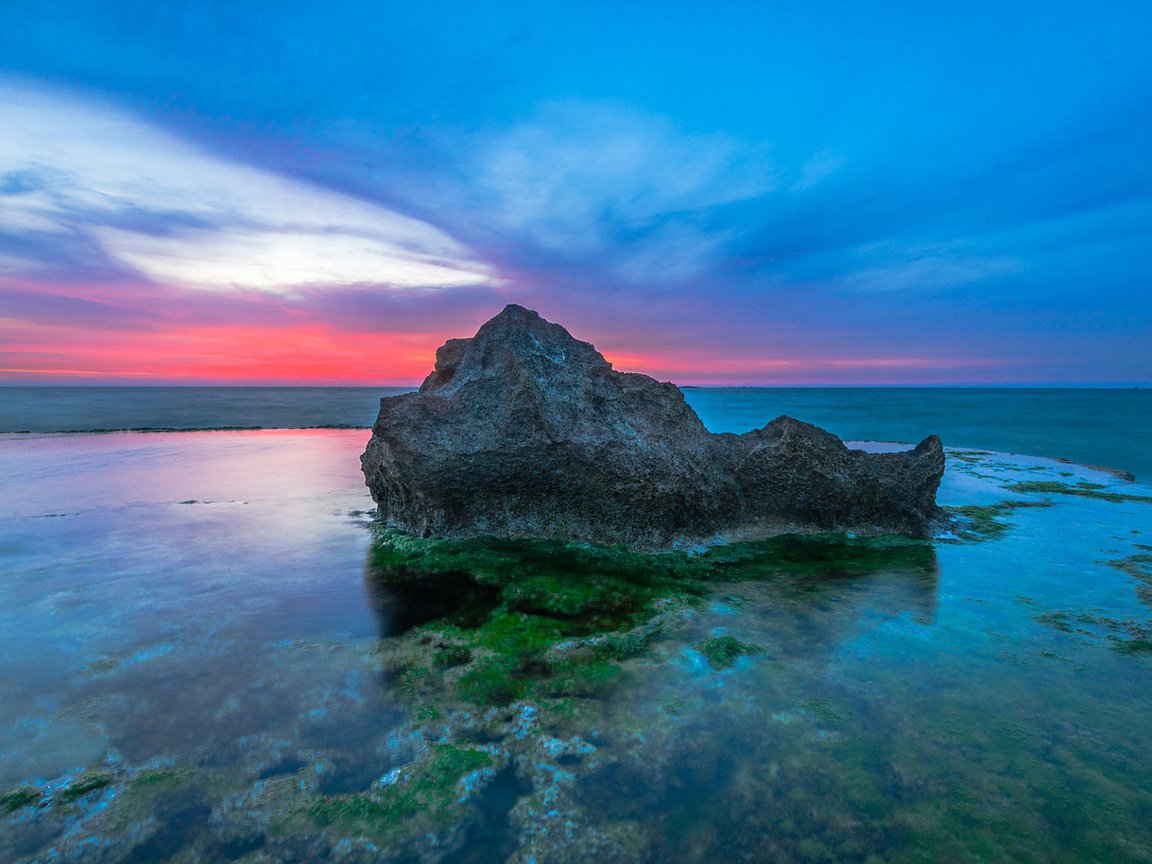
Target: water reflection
column 400, row 605
column 817, row 614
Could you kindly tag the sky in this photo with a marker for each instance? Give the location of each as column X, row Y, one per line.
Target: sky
column 782, row 193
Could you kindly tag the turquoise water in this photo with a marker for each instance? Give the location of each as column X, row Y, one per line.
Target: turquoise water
column 1109, row 427
column 203, row 662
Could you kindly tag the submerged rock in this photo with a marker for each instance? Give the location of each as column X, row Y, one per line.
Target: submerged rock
column 524, row 431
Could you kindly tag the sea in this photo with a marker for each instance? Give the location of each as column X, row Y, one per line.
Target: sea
column 205, row 659
column 1101, row 426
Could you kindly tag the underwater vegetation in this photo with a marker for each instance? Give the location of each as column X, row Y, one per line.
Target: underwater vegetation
column 555, row 620
column 982, row 696
column 1131, row 635
column 431, row 789
column 986, row 521
column 1083, row 489
column 723, row 651
column 22, row 796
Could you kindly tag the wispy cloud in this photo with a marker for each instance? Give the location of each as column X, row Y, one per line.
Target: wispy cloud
column 921, row 270
column 74, row 172
column 611, row 185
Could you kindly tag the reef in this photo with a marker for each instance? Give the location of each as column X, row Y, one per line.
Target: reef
column 524, row 431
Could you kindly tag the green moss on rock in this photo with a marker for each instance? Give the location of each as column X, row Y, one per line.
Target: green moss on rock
column 428, row 789
column 1083, row 490
column 563, row 617
column 82, row 785
column 162, row 777
column 723, row 651
column 19, row 798
column 986, row 521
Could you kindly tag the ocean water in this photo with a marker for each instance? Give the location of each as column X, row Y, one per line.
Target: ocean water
column 204, row 662
column 1109, row 427
column 85, row 409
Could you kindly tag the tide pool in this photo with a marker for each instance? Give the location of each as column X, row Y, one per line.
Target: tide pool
column 209, row 655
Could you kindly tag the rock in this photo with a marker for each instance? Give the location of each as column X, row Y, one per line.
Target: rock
column 524, row 431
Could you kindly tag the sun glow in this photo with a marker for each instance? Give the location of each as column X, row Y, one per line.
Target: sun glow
column 225, row 354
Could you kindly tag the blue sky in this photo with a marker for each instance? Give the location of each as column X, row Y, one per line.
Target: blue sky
column 741, row 193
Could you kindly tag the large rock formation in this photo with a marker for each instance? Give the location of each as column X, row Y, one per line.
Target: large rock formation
column 525, row 431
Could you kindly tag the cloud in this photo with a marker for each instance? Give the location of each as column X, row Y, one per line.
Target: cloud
column 72, row 170
column 595, row 182
column 932, row 272
column 271, row 260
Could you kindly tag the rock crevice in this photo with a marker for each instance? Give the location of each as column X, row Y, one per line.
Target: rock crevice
column 525, row 431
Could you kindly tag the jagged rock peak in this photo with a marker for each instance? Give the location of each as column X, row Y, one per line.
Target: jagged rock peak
column 517, row 340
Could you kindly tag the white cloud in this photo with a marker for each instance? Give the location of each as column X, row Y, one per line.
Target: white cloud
column 72, row 165
column 268, row 261
column 672, row 252
column 15, row 264
column 583, row 178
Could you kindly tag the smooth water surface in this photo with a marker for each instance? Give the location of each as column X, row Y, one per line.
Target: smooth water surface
column 79, row 409
column 194, row 648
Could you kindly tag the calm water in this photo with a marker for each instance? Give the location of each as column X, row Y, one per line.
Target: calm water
column 1095, row 427
column 191, row 620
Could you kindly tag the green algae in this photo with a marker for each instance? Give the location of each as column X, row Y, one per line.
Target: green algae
column 1133, row 638
column 557, row 661
column 971, row 457
column 493, row 682
column 985, row 521
column 982, row 522
column 82, row 785
column 808, row 555
column 519, row 665
column 603, row 586
column 824, row 711
column 19, row 798
column 452, row 656
column 723, row 651
column 551, row 629
column 1082, row 490
column 561, row 619
column 559, row 615
column 429, row 789
column 1139, row 567
column 1057, row 621
column 1136, row 647
column 164, row 777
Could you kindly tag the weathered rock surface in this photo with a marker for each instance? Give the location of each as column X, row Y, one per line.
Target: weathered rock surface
column 524, row 431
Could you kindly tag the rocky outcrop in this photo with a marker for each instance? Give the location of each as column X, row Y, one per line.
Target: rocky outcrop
column 523, row 431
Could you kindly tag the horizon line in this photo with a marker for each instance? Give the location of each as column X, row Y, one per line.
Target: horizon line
column 988, row 385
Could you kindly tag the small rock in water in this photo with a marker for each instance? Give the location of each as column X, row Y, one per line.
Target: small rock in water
column 524, row 431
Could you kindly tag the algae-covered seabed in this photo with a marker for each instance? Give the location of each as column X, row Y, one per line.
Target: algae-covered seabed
column 210, row 654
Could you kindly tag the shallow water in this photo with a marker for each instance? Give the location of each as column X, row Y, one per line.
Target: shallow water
column 191, row 620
